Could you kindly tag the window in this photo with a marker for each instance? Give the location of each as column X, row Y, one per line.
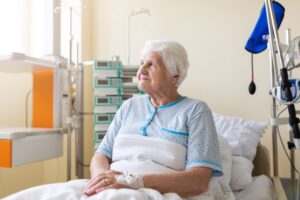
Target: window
column 27, row 27
column 12, row 25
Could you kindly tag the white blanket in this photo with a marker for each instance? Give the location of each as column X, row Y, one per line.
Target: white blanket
column 73, row 190
column 142, row 155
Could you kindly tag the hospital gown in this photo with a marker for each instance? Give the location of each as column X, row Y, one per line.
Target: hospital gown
column 187, row 122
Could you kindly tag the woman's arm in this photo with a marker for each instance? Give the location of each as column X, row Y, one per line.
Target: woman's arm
column 190, row 182
column 99, row 164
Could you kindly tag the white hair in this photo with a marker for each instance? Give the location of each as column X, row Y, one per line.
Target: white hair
column 173, row 55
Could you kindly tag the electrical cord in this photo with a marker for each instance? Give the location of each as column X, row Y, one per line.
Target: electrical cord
column 282, row 144
column 82, row 164
column 290, row 61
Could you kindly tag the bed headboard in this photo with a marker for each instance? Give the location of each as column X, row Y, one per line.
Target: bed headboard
column 262, row 161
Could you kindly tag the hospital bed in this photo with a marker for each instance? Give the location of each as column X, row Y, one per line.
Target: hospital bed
column 250, row 170
column 235, row 130
column 247, row 181
column 262, row 167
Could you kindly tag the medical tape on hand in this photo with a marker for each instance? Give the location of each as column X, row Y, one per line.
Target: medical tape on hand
column 133, row 181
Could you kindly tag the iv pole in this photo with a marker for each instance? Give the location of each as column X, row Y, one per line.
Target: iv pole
column 286, row 86
column 133, row 13
column 272, row 78
column 73, row 121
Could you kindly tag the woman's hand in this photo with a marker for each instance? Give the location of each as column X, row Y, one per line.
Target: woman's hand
column 102, row 182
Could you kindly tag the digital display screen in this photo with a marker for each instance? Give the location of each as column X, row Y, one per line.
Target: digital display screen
column 103, row 118
column 102, row 100
column 102, row 64
column 102, row 82
column 125, row 97
column 101, row 136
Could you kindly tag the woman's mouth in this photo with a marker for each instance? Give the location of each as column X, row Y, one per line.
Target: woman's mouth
column 144, row 78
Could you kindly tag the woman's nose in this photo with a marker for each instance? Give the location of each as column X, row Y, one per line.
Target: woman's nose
column 143, row 68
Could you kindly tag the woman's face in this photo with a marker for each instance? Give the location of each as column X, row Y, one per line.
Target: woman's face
column 153, row 74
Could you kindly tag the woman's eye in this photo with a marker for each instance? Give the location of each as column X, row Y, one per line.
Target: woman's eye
column 151, row 64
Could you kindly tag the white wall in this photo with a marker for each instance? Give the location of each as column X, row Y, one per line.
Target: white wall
column 214, row 33
column 14, row 88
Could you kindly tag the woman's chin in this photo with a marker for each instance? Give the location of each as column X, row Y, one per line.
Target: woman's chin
column 141, row 86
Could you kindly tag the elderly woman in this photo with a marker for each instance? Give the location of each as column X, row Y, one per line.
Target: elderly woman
column 178, row 130
column 158, row 146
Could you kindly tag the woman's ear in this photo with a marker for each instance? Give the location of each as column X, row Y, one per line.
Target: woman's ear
column 175, row 79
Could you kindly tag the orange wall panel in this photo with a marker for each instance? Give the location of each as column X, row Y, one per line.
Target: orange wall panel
column 43, row 86
column 5, row 153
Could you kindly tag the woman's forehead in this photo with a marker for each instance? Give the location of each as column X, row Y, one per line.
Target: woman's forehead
column 152, row 55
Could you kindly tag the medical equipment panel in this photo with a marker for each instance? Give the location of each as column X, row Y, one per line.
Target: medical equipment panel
column 123, row 90
column 19, row 146
column 279, row 93
column 107, row 100
column 109, row 103
column 107, row 65
column 101, row 127
column 113, row 84
column 103, row 118
column 99, row 135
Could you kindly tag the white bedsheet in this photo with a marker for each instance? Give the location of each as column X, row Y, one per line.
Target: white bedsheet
column 261, row 188
column 73, row 190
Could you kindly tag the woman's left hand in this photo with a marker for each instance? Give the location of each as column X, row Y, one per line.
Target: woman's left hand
column 102, row 182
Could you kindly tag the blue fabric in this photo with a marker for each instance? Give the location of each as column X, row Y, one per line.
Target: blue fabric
column 256, row 43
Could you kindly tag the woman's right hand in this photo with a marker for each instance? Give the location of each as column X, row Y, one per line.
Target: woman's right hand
column 102, row 182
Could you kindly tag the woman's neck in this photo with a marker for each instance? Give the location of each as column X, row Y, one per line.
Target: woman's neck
column 163, row 99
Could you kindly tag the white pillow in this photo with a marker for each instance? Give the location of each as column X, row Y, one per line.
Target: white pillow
column 241, row 173
column 224, row 190
column 242, row 135
column 226, row 158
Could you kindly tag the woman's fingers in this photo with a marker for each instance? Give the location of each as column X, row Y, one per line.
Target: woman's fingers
column 104, row 183
column 101, row 182
column 104, row 188
column 93, row 181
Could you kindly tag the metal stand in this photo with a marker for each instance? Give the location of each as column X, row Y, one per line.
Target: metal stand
column 133, row 13
column 74, row 118
column 78, row 113
column 273, row 76
column 293, row 120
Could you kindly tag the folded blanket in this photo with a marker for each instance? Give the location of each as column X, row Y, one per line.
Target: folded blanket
column 143, row 155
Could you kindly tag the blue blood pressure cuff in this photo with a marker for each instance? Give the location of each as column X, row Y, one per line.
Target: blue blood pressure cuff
column 257, row 43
